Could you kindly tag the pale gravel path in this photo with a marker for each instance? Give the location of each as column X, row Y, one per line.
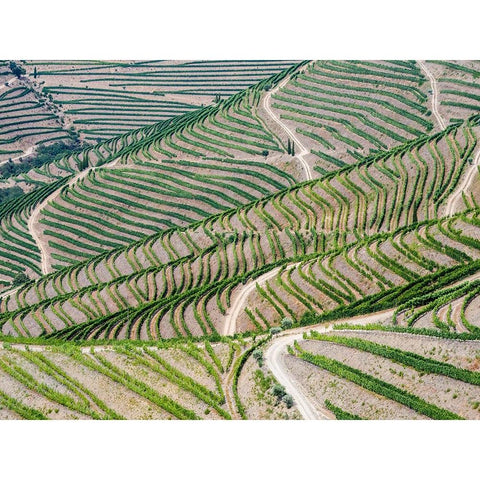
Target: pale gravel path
column 275, row 360
column 9, row 292
column 28, row 152
column 433, row 83
column 235, row 309
column 33, row 223
column 8, row 83
column 303, row 150
column 467, row 180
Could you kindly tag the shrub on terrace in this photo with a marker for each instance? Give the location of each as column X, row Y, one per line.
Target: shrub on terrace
column 288, row 399
column 287, row 323
column 45, row 154
column 9, row 193
column 19, row 279
column 16, row 69
column 258, row 356
column 279, row 391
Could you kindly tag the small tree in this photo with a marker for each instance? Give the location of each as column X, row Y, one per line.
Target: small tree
column 19, row 279
column 258, row 356
column 265, row 153
column 288, row 399
column 278, row 390
column 34, row 72
column 17, row 70
column 275, row 330
column 287, row 322
column 293, row 149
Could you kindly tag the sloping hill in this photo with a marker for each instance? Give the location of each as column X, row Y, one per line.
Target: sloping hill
column 332, row 190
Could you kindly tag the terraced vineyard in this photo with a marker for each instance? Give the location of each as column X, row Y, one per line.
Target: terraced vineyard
column 24, row 118
column 458, row 87
column 168, row 261
column 104, row 99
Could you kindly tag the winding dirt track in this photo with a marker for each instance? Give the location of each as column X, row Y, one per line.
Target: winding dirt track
column 28, row 152
column 275, row 359
column 303, row 150
column 467, row 180
column 33, row 224
column 433, row 83
column 231, row 316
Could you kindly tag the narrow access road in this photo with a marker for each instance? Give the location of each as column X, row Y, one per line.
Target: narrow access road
column 467, row 180
column 303, row 150
column 7, row 293
column 28, row 152
column 33, row 223
column 8, row 83
column 230, row 325
column 433, row 83
column 275, row 360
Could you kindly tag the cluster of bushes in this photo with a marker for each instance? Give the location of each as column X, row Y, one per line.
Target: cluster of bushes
column 281, row 394
column 10, row 193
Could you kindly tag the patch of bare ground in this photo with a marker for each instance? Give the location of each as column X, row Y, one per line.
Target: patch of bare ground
column 119, row 398
column 188, row 365
column 20, row 392
column 6, row 414
column 472, row 312
column 161, row 384
column 439, row 390
column 254, row 390
column 321, row 385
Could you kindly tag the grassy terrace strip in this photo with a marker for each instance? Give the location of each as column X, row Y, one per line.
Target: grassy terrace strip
column 187, row 383
column 204, row 286
column 305, row 185
column 73, row 402
column 410, row 330
column 18, row 250
column 100, row 364
column 24, row 119
column 140, row 200
column 28, row 413
column 418, row 362
column 237, row 370
column 458, row 87
column 377, row 386
column 50, row 368
column 341, row 414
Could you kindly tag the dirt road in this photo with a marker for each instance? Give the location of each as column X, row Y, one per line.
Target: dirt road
column 467, row 180
column 33, row 225
column 28, row 152
column 433, row 83
column 236, row 307
column 275, row 360
column 303, row 150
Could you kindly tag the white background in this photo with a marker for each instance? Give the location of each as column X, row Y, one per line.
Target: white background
column 264, row 29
